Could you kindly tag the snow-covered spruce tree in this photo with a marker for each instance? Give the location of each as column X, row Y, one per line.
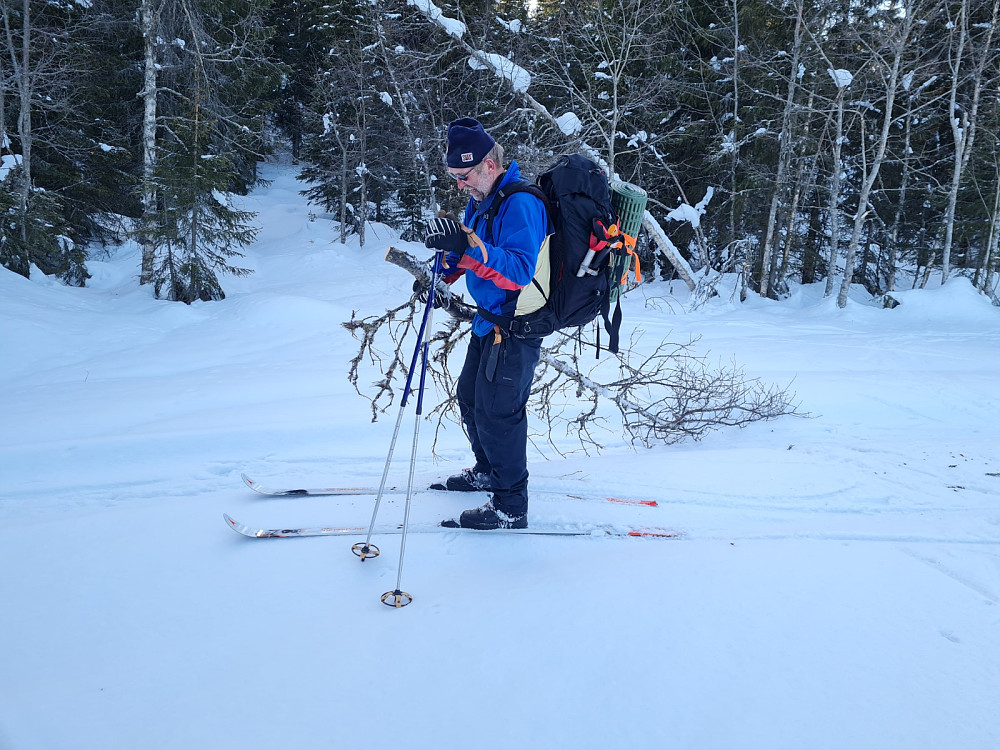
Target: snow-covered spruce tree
column 202, row 138
column 36, row 234
column 199, row 230
column 37, row 73
column 84, row 126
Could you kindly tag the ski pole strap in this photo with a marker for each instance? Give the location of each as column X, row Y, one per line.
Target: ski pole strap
column 494, row 356
column 613, row 327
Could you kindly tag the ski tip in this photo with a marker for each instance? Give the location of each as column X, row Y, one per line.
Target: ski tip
column 655, row 533
column 238, row 527
column 630, row 501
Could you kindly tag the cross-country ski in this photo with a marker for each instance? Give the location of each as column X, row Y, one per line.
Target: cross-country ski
column 650, row 532
column 372, row 491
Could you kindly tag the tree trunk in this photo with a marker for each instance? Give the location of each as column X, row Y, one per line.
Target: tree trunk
column 785, row 154
column 24, row 118
column 891, row 87
column 149, row 13
column 344, row 191
column 838, row 147
column 985, row 283
column 734, row 156
column 892, row 254
column 362, row 172
column 963, row 126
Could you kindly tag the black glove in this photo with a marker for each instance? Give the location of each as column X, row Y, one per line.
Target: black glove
column 446, row 234
column 422, row 290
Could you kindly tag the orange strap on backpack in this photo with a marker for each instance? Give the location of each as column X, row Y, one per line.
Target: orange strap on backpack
column 630, row 249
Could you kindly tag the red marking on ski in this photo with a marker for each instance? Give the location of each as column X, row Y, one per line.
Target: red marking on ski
column 622, row 500
column 628, row 501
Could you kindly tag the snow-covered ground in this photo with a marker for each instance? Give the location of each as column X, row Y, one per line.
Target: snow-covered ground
column 838, row 584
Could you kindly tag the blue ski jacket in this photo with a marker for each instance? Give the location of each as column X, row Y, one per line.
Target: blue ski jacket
column 496, row 272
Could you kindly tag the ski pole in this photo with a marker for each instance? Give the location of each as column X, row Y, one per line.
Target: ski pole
column 399, row 598
column 366, row 549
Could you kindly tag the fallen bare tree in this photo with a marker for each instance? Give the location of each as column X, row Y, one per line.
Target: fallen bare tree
column 662, row 397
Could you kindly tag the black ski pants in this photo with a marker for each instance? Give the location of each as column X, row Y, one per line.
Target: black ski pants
column 492, row 393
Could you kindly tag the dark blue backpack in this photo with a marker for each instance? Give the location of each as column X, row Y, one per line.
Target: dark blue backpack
column 573, row 277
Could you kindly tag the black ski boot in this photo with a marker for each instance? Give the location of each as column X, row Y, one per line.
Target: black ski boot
column 487, row 518
column 469, row 480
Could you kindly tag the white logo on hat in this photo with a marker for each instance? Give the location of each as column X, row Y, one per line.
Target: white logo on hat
column 467, row 156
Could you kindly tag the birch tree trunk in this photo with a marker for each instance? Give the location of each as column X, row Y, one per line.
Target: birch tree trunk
column 362, row 171
column 963, row 124
column 835, row 179
column 804, row 181
column 194, row 232
column 734, row 155
column 985, row 282
column 24, row 116
column 345, row 183
column 22, row 75
column 785, row 154
column 4, row 139
column 871, row 171
column 149, row 13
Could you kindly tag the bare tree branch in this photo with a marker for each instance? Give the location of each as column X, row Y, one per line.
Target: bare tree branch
column 662, row 397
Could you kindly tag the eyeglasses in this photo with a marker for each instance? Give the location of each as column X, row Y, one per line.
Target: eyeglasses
column 460, row 178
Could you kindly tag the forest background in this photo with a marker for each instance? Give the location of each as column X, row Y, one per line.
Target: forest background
column 845, row 142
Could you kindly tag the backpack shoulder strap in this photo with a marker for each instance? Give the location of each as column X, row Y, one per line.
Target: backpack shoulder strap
column 518, row 186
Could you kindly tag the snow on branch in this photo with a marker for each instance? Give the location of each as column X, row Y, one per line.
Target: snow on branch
column 841, row 78
column 451, row 26
column 503, row 67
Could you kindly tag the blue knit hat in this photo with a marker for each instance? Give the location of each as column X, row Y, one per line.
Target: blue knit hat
column 468, row 143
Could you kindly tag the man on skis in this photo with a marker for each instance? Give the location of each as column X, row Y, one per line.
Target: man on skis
column 496, row 378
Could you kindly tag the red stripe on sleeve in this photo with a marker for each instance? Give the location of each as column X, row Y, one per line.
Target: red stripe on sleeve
column 487, row 273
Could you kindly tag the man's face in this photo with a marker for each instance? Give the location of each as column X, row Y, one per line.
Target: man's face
column 477, row 181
